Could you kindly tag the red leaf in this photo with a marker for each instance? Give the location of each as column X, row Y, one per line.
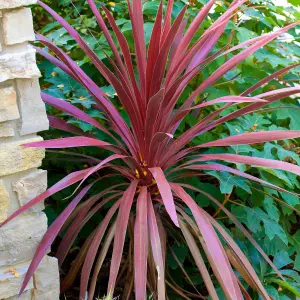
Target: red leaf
column 109, row 108
column 63, row 183
column 252, row 138
column 68, row 143
column 107, row 35
column 194, row 26
column 227, row 99
column 136, row 16
column 49, row 237
column 157, row 146
column 76, row 265
column 237, row 224
column 106, row 244
column 101, row 165
column 56, row 62
column 217, row 167
column 126, row 53
column 231, row 63
column 159, row 69
column 267, row 79
column 165, row 192
column 63, row 125
column 85, row 214
column 70, row 109
column 152, row 112
column 91, row 254
column 255, row 161
column 154, row 48
column 156, row 250
column 218, row 257
column 198, row 260
column 241, row 256
column 121, row 226
column 167, row 21
column 141, row 245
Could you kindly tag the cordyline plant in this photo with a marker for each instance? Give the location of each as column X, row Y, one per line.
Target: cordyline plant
column 150, row 201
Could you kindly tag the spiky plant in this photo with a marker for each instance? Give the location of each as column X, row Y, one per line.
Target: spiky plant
column 150, row 201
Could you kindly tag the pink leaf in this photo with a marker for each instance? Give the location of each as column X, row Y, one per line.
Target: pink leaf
column 70, row 109
column 49, row 237
column 217, row 167
column 252, row 138
column 63, row 183
column 156, row 247
column 91, row 254
column 154, row 47
column 84, row 215
column 256, row 161
column 238, row 225
column 167, row 21
column 165, row 192
column 121, row 226
column 68, row 143
column 215, row 248
column 63, row 125
column 141, row 245
column 193, row 29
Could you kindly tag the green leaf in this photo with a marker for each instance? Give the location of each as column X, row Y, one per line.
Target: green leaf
column 228, row 181
column 245, row 34
column 254, row 218
column 257, row 197
column 271, row 208
column 148, row 30
column 272, row 291
column 281, row 259
column 290, row 199
column 296, row 238
column 82, row 125
column 181, row 252
column 150, row 8
column 85, row 102
column 286, row 285
column 211, row 189
column 292, row 114
column 297, row 261
column 294, row 2
column 274, row 60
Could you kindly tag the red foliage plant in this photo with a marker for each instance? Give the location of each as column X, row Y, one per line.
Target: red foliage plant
column 150, row 198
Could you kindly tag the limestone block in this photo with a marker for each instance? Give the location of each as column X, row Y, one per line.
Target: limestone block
column 17, row 26
column 0, row 20
column 25, row 296
column 15, row 158
column 45, row 295
column 46, row 277
column 8, row 104
column 32, row 108
column 18, row 65
column 20, row 238
column 11, row 278
column 6, row 130
column 4, row 201
column 31, row 186
column 15, row 3
column 46, row 280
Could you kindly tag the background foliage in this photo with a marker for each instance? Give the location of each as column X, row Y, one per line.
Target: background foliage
column 273, row 224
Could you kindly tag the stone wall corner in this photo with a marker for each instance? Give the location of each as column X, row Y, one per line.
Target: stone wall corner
column 22, row 116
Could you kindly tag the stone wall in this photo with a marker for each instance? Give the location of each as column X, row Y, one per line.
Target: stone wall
column 22, row 115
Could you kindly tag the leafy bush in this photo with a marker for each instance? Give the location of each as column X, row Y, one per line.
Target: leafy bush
column 152, row 161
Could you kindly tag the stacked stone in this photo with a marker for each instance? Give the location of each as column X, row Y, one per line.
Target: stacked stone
column 22, row 115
